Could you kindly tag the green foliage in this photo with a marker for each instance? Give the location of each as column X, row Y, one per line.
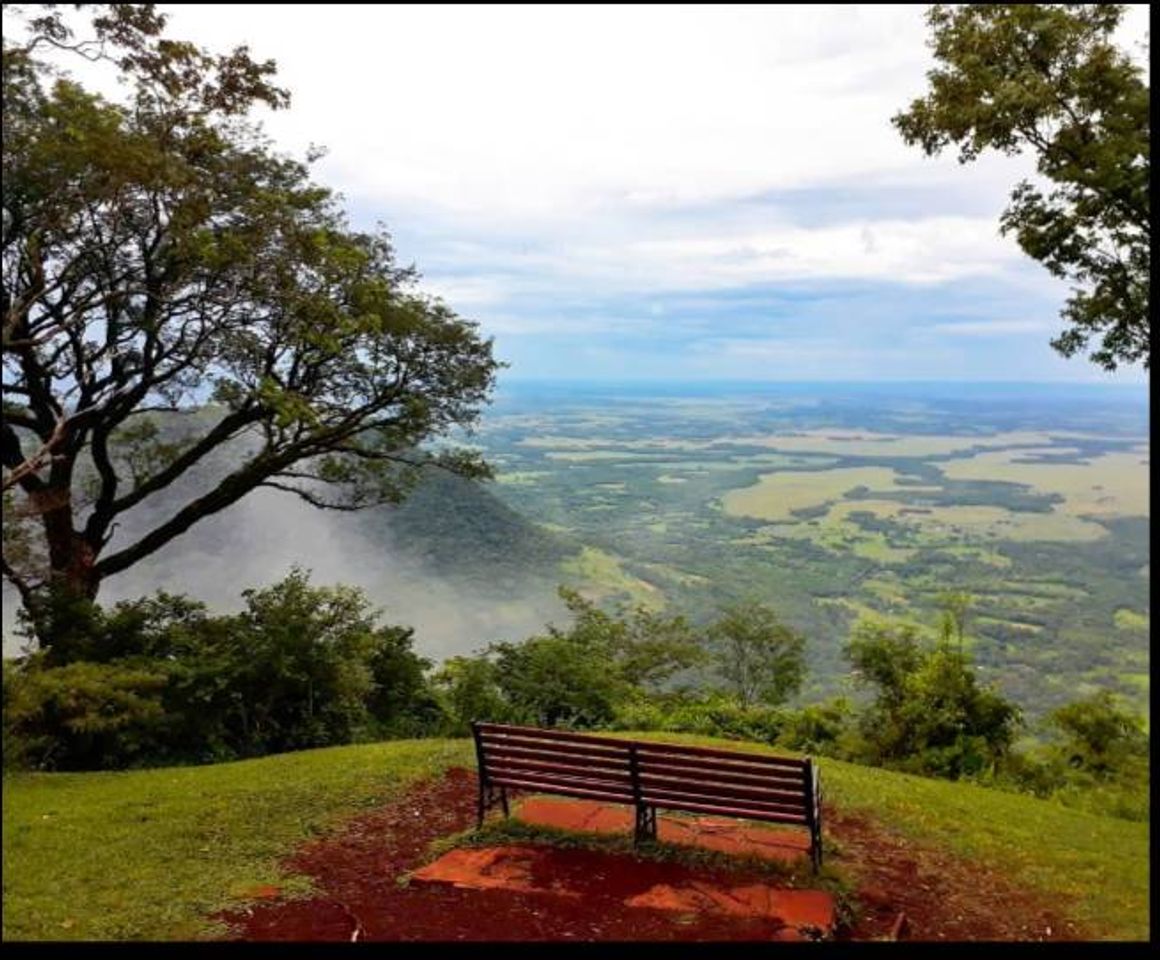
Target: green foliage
column 1095, row 757
column 60, row 715
column 574, row 677
column 956, row 608
column 1100, row 737
column 644, row 648
column 821, row 728
column 470, row 690
column 930, row 714
column 710, row 715
column 1047, row 78
column 760, row 659
column 160, row 246
column 557, row 681
column 158, row 679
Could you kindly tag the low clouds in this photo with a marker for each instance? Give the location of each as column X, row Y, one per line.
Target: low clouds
column 251, row 545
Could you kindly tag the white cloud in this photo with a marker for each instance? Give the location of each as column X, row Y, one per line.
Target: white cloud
column 528, row 114
column 995, row 328
column 932, row 250
column 538, row 161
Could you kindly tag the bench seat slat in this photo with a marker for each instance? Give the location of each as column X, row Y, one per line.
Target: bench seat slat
column 548, row 755
column 696, row 768
column 494, row 730
column 600, row 751
column 755, row 781
column 584, row 783
column 660, row 798
column 722, row 809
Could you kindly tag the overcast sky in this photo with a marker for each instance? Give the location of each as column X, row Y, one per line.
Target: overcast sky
column 667, row 192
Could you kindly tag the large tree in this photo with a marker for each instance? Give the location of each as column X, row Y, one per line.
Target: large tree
column 174, row 288
column 1047, row 78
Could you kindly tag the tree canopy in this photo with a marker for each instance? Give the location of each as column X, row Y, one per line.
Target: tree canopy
column 161, row 257
column 1047, row 78
column 759, row 658
column 930, row 713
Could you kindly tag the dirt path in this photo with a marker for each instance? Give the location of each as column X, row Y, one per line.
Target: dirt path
column 359, row 897
column 943, row 897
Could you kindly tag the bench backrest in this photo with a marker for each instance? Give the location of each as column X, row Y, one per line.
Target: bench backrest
column 555, row 761
column 648, row 773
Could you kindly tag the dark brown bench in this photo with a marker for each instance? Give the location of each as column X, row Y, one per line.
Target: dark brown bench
column 648, row 775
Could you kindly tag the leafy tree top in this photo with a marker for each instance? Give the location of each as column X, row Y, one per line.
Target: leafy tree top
column 160, row 255
column 1047, row 79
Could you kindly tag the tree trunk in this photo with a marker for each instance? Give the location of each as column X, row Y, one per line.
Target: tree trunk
column 72, row 559
column 73, row 580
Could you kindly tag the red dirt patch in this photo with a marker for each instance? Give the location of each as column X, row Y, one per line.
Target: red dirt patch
column 714, row 833
column 493, row 868
column 358, row 896
column 942, row 896
column 525, row 869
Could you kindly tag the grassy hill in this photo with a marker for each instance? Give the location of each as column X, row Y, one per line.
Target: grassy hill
column 147, row 854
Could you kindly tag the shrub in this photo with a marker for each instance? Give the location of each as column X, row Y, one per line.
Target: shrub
column 301, row 666
column 930, row 714
column 823, row 728
column 81, row 715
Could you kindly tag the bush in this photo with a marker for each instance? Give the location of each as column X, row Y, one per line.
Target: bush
column 554, row 681
column 81, row 715
column 468, row 689
column 930, row 714
column 823, row 728
column 713, row 715
column 162, row 681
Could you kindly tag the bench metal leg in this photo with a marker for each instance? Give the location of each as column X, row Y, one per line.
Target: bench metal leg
column 646, row 824
column 489, row 796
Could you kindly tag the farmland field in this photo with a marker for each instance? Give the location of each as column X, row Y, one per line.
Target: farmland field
column 834, row 501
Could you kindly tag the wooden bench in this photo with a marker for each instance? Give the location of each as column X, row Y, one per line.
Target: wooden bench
column 648, row 775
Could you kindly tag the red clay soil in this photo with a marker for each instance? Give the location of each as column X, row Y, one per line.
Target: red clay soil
column 942, row 897
column 530, row 868
column 358, row 896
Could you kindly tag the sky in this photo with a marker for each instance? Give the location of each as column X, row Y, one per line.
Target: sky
column 667, row 192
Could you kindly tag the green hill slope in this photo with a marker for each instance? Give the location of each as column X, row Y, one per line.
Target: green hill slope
column 147, row 854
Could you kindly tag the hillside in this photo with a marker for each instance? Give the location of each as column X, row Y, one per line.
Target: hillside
column 149, row 854
column 452, row 560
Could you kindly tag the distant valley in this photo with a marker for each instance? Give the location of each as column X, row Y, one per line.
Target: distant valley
column 827, row 501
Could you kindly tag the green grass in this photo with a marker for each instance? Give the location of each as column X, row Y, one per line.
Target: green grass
column 1095, row 867
column 602, row 574
column 147, row 854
